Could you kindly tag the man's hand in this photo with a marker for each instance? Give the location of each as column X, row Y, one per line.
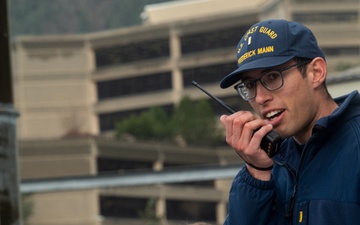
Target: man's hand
column 240, row 135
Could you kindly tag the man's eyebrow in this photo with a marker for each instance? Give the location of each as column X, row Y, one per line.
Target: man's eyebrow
column 245, row 77
column 261, row 72
column 269, row 70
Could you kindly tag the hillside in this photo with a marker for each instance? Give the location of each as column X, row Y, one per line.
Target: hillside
column 39, row 17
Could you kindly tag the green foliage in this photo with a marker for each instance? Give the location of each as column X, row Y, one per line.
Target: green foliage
column 149, row 214
column 38, row 17
column 27, row 207
column 193, row 122
column 196, row 123
column 151, row 124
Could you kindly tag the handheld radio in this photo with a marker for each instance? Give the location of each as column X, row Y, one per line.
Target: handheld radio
column 270, row 143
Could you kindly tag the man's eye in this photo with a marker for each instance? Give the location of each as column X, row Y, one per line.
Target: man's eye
column 272, row 76
column 250, row 85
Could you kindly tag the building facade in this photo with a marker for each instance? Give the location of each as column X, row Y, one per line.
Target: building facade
column 81, row 85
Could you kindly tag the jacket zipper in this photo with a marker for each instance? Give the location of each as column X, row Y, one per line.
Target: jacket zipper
column 289, row 214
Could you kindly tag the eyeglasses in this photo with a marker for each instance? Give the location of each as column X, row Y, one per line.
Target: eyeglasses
column 272, row 81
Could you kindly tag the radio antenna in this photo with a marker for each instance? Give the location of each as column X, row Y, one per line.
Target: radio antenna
column 219, row 101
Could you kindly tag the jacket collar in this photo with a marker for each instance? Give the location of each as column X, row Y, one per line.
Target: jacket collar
column 349, row 107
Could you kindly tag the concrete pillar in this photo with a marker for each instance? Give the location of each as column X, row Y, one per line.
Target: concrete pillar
column 158, row 164
column 161, row 210
column 175, row 54
column 221, row 212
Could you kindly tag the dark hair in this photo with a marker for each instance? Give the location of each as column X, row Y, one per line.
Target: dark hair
column 302, row 68
column 303, row 64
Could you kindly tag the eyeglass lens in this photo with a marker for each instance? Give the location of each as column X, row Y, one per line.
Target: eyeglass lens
column 271, row 81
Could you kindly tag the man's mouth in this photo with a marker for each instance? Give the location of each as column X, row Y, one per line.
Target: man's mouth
column 273, row 114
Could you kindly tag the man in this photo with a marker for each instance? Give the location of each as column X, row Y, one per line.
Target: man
column 315, row 178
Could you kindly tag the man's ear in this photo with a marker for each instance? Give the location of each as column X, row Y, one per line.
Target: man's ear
column 318, row 70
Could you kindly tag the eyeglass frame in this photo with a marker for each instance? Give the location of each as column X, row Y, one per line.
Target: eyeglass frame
column 279, row 71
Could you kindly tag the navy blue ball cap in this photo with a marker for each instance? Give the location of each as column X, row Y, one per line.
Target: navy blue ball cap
column 272, row 43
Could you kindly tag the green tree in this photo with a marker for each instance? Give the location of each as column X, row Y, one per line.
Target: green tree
column 39, row 17
column 151, row 124
column 27, row 207
column 149, row 213
column 196, row 122
column 193, row 122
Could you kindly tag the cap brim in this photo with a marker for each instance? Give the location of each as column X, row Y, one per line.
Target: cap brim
column 262, row 63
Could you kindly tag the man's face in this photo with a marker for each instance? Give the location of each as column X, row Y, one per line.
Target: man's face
column 291, row 109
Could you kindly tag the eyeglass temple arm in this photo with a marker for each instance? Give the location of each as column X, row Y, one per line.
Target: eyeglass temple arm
column 219, row 101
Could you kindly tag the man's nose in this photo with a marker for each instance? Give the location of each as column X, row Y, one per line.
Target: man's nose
column 262, row 94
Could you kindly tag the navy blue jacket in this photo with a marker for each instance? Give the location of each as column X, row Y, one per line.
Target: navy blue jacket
column 314, row 184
